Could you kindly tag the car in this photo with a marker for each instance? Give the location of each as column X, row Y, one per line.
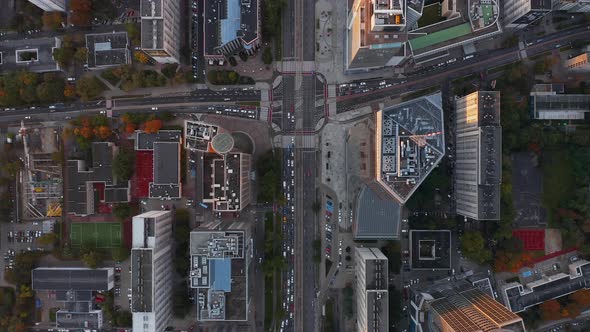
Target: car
column 28, row 117
column 154, row 108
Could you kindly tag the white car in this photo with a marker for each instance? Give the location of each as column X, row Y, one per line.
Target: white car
column 154, row 108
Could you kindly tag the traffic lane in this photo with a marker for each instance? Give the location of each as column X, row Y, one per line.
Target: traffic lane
column 309, row 234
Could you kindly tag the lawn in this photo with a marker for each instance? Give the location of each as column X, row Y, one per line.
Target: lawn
column 558, row 182
column 430, row 15
column 96, row 235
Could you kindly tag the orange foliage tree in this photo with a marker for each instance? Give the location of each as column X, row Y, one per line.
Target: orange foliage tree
column 80, row 12
column 69, row 90
column 103, row 132
column 153, row 126
column 571, row 310
column 550, row 310
column 129, row 128
column 52, row 20
column 581, row 297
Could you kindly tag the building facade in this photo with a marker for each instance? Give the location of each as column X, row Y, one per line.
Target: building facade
column 478, row 158
column 520, row 13
column 151, row 271
column 160, row 30
column 579, row 63
column 549, row 102
column 372, row 295
column 50, row 5
column 573, row 6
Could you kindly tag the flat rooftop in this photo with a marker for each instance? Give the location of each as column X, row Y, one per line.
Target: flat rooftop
column 409, row 144
column 376, row 217
column 48, row 278
column 230, row 21
column 166, row 170
column 142, row 280
column 41, row 62
column 430, row 250
column 198, row 135
column 145, row 141
column 107, row 49
column 78, row 320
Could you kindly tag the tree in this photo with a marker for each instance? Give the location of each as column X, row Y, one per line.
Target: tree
column 170, row 69
column 69, row 90
column 81, row 55
column 153, row 126
column 581, row 297
column 52, row 20
column 550, row 310
column 133, row 33
column 64, row 56
column 91, row 259
column 80, row 15
column 141, row 57
column 473, row 246
column 124, row 319
column 120, row 253
column 103, row 132
column 571, row 310
column 122, row 211
column 89, row 87
column 51, row 91
column 123, row 165
column 232, row 61
column 47, row 239
column 267, row 55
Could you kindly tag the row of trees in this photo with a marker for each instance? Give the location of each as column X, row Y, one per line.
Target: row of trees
column 271, row 18
column 133, row 78
column 268, row 168
column 26, row 88
column 150, row 123
column 87, row 129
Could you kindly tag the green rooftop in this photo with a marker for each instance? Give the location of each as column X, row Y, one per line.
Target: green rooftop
column 440, row 36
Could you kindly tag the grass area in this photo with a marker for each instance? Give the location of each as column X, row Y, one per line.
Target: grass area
column 249, row 103
column 499, row 68
column 329, row 318
column 268, row 307
column 420, row 93
column 558, row 182
column 52, row 312
column 541, row 55
column 96, row 235
column 430, row 15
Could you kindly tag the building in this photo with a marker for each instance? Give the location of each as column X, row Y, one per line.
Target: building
column 160, row 29
column 231, row 26
column 550, row 278
column 377, row 216
column 91, row 188
column 458, row 306
column 465, row 22
column 375, row 36
column 520, row 13
column 107, row 49
column 579, row 63
column 226, row 181
column 29, row 54
column 371, row 289
column 220, row 258
column 76, row 289
column 165, row 148
column 409, row 143
column 50, row 5
column 429, row 250
column 198, row 136
column 151, row 271
column 478, row 160
column 548, row 102
column 573, row 6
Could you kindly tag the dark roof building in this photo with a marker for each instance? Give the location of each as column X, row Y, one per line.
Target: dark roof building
column 75, row 287
column 107, row 49
column 377, row 217
column 231, row 26
column 165, row 146
column 226, row 181
column 430, row 249
column 29, row 54
column 89, row 186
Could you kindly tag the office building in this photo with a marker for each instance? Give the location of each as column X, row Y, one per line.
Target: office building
column 34, row 55
column 151, row 271
column 198, row 136
column 90, row 189
column 231, row 27
column 478, row 160
column 372, row 295
column 76, row 290
column 375, row 35
column 160, row 29
column 549, row 278
column 429, row 250
column 549, row 102
column 579, row 63
column 376, row 217
column 458, row 306
column 520, row 13
column 573, row 6
column 107, row 49
column 220, row 257
column 50, row 5
column 226, row 179
column 409, row 142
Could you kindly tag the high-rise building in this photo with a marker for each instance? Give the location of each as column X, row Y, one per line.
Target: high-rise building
column 50, row 5
column 226, row 184
column 160, row 29
column 478, row 160
column 573, row 6
column 458, row 306
column 549, row 102
column 579, row 63
column 372, row 296
column 220, row 256
column 520, row 13
column 151, row 271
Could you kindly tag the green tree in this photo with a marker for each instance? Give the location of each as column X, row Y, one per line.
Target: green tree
column 91, row 259
column 124, row 319
column 64, row 56
column 267, row 55
column 89, row 87
column 123, row 165
column 47, row 239
column 51, row 91
column 473, row 246
column 81, row 55
column 120, row 254
column 122, row 211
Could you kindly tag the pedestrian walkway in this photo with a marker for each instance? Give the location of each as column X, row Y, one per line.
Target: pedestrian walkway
column 296, row 66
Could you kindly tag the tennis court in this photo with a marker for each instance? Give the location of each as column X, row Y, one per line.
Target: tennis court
column 96, row 235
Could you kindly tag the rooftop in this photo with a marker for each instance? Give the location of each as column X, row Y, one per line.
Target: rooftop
column 198, row 135
column 409, row 144
column 77, row 320
column 107, row 49
column 230, row 25
column 77, row 279
column 224, row 178
column 39, row 54
column 430, row 249
column 142, row 280
column 145, row 141
column 166, row 170
column 376, row 217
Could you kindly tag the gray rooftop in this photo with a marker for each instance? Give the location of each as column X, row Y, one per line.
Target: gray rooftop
column 376, row 217
column 78, row 320
column 490, row 173
column 141, row 281
column 150, row 8
column 166, row 162
column 43, row 46
column 430, row 249
column 145, row 141
column 152, row 33
column 71, row 279
column 107, row 49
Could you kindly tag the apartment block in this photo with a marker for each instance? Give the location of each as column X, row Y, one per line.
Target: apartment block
column 160, row 29
column 372, row 295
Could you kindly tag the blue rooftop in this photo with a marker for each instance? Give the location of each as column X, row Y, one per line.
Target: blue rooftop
column 231, row 24
column 220, row 274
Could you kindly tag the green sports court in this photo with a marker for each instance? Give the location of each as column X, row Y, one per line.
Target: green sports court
column 96, row 235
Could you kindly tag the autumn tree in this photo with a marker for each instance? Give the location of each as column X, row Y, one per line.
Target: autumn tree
column 69, row 90
column 571, row 310
column 141, row 57
column 103, row 132
column 52, row 20
column 80, row 12
column 88, row 87
column 81, row 55
column 581, row 297
column 550, row 310
column 153, row 126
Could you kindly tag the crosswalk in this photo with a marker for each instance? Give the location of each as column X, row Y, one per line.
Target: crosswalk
column 297, row 66
column 302, row 141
